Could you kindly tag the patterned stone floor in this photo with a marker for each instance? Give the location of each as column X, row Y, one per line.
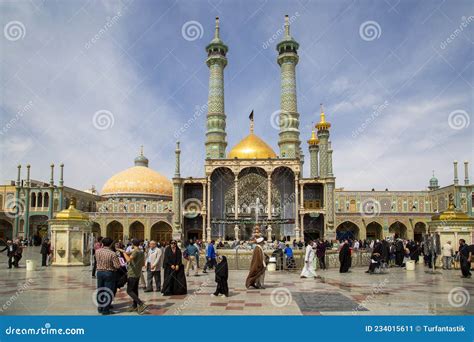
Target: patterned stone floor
column 70, row 291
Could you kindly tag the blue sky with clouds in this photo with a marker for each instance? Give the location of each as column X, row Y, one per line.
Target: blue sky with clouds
column 399, row 93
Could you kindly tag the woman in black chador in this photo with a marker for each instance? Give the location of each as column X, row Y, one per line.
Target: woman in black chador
column 174, row 281
column 345, row 257
column 222, row 274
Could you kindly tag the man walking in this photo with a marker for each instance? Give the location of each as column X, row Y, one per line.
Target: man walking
column 192, row 252
column 97, row 245
column 465, row 256
column 153, row 267
column 11, row 252
column 210, row 256
column 136, row 261
column 107, row 264
column 256, row 276
column 447, row 255
column 321, row 254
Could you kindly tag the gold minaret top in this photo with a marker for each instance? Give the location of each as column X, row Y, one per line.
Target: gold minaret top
column 313, row 140
column 322, row 124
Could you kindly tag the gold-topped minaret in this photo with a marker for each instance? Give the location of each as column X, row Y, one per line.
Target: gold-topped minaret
column 323, row 124
column 313, row 140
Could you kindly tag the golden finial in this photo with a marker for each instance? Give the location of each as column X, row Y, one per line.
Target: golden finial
column 313, row 140
column 322, row 124
column 141, row 150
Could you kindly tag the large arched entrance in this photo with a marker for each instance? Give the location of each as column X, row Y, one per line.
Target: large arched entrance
column 137, row 230
column 6, row 230
column 161, row 232
column 398, row 230
column 284, row 201
column 374, row 231
column 347, row 230
column 252, row 205
column 115, row 231
column 38, row 227
column 419, row 231
column 222, row 181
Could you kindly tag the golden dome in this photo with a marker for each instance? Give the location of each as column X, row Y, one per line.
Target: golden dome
column 451, row 214
column 72, row 213
column 251, row 147
column 138, row 180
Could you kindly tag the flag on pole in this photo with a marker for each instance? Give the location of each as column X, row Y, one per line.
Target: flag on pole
column 251, row 115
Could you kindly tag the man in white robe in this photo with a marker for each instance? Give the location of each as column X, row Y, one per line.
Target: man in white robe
column 308, row 270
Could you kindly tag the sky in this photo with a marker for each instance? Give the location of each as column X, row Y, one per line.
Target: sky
column 87, row 83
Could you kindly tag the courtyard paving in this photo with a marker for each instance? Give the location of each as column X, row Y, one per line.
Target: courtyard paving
column 70, row 291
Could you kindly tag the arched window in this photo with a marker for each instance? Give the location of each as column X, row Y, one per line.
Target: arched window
column 46, row 200
column 40, row 200
column 33, row 199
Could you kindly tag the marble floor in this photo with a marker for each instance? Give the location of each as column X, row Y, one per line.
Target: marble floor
column 70, row 291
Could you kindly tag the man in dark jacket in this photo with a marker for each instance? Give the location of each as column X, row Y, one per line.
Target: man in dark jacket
column 11, row 253
column 45, row 251
column 465, row 256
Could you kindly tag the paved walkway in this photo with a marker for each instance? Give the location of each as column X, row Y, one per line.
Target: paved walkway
column 70, row 291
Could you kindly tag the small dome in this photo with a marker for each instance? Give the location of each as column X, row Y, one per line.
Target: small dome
column 252, row 147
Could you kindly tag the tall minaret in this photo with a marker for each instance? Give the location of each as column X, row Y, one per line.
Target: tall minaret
column 313, row 155
column 323, row 134
column 215, row 132
column 289, row 139
column 177, row 192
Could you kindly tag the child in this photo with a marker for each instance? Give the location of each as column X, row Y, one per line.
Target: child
column 222, row 274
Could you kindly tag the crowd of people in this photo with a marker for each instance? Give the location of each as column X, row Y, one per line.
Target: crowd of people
column 116, row 265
